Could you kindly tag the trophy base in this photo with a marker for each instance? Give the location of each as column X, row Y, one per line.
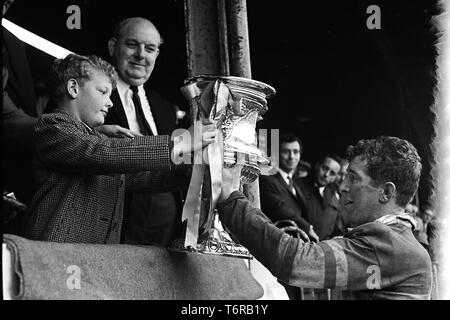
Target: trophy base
column 213, row 246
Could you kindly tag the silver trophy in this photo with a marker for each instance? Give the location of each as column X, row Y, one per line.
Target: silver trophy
column 235, row 104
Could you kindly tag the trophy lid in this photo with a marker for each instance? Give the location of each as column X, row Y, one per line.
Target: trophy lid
column 237, row 82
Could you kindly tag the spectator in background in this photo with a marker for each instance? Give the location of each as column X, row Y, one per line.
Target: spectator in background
column 419, row 231
column 433, row 228
column 322, row 203
column 19, row 116
column 303, row 169
column 343, row 172
column 433, row 234
column 340, row 225
column 427, row 216
column 281, row 199
column 319, row 191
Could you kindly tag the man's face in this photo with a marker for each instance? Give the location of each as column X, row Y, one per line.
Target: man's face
column 342, row 173
column 93, row 99
column 289, row 156
column 359, row 198
column 135, row 53
column 327, row 172
column 427, row 216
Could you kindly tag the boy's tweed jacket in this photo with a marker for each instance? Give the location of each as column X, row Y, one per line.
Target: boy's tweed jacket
column 82, row 199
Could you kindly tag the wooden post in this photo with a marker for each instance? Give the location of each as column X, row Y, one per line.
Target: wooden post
column 238, row 39
column 240, row 65
column 202, row 43
column 218, row 44
column 223, row 38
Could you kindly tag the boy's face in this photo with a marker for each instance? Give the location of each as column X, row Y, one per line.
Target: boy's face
column 94, row 99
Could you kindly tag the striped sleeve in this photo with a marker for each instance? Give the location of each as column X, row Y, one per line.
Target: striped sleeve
column 342, row 263
column 371, row 258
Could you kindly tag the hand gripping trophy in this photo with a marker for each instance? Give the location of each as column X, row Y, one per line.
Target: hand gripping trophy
column 235, row 104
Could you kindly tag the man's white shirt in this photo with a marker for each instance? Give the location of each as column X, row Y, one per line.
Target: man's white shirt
column 126, row 96
column 285, row 176
column 321, row 189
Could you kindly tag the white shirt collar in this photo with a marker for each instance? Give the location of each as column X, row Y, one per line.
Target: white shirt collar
column 122, row 87
column 284, row 174
column 321, row 189
column 126, row 97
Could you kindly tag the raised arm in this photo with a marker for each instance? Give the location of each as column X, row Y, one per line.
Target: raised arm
column 64, row 144
column 347, row 263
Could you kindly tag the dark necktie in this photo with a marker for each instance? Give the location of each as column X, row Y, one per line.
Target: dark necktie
column 291, row 185
column 143, row 124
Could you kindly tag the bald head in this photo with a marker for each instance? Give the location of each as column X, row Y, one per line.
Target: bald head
column 121, row 27
column 134, row 48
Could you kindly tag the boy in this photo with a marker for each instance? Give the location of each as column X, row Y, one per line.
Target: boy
column 82, row 199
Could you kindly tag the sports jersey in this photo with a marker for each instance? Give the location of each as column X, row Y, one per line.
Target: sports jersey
column 376, row 260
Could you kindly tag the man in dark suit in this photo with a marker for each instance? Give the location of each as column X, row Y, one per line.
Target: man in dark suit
column 149, row 218
column 320, row 192
column 281, row 199
column 19, row 116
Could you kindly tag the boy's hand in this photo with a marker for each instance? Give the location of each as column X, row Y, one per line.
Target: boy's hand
column 198, row 136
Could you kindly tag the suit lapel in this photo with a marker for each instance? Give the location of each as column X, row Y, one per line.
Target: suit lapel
column 163, row 112
column 283, row 183
column 300, row 194
column 286, row 186
column 329, row 197
column 157, row 110
column 118, row 109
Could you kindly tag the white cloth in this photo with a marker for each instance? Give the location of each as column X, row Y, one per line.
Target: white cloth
column 7, row 273
column 126, row 96
column 273, row 290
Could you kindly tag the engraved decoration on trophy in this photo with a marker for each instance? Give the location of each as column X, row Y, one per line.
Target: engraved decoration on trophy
column 235, row 104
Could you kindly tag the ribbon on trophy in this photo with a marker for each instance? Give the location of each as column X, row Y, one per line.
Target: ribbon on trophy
column 210, row 100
